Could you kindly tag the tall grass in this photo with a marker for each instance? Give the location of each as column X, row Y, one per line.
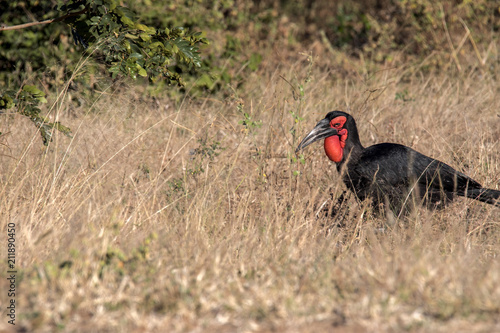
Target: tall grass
column 198, row 216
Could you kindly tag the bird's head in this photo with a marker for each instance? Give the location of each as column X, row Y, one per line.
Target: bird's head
column 335, row 129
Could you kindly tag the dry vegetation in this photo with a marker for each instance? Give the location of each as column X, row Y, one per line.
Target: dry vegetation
column 170, row 217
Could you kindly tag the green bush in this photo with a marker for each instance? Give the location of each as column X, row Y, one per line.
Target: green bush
column 103, row 29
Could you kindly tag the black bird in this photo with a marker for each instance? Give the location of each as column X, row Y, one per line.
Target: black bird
column 390, row 173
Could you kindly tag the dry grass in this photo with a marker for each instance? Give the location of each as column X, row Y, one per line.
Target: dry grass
column 141, row 223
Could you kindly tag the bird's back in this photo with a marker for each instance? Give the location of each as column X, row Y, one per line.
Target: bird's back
column 389, row 171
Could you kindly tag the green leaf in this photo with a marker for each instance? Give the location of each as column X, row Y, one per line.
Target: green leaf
column 131, row 36
column 136, row 55
column 63, row 129
column 127, row 21
column 142, row 72
column 189, row 52
column 145, row 37
column 33, row 90
column 6, row 102
column 155, row 45
column 141, row 27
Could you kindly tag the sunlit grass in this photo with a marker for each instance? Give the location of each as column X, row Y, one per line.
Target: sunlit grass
column 195, row 216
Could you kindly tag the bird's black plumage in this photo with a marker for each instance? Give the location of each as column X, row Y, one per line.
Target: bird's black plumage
column 391, row 173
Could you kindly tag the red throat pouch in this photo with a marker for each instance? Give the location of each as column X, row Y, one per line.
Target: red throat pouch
column 334, row 149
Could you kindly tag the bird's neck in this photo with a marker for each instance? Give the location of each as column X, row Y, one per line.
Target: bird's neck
column 351, row 153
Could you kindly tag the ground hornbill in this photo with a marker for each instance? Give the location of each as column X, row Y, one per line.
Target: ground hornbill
column 389, row 173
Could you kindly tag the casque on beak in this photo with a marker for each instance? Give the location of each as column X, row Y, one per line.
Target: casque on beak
column 322, row 130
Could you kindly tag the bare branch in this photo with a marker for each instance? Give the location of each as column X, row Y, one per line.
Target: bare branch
column 27, row 25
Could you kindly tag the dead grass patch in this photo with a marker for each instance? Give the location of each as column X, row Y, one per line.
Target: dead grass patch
column 195, row 217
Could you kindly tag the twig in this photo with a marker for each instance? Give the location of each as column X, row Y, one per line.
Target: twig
column 448, row 37
column 27, row 25
column 478, row 54
column 294, row 93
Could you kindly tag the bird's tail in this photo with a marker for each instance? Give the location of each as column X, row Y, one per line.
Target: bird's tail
column 486, row 195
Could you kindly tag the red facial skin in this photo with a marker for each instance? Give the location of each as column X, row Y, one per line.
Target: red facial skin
column 334, row 145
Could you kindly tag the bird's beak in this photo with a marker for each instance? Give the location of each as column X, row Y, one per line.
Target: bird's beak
column 320, row 131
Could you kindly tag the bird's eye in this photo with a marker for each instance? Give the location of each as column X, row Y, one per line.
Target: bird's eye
column 336, row 125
